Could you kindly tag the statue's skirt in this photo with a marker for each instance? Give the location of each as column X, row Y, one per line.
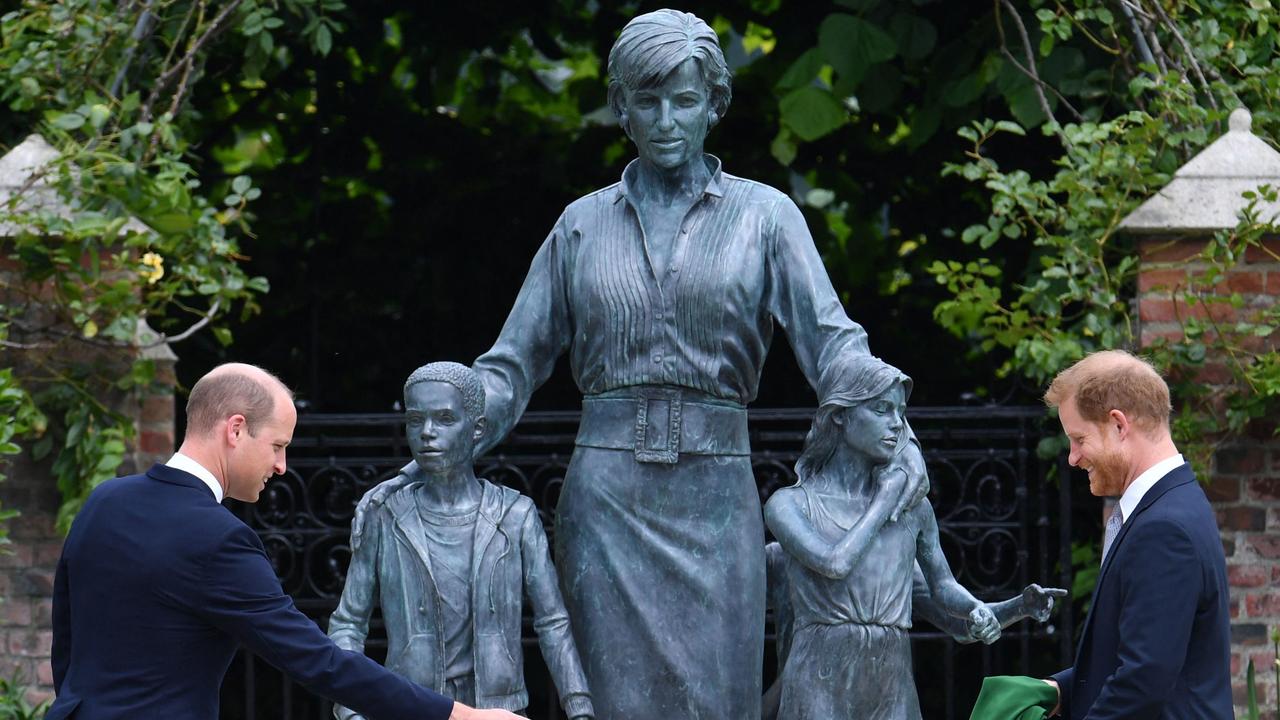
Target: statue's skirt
column 849, row 670
column 664, row 578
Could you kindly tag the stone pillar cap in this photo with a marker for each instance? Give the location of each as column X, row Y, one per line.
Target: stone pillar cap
column 1206, row 194
column 16, row 169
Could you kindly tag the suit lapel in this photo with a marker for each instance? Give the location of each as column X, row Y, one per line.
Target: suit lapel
column 1178, row 476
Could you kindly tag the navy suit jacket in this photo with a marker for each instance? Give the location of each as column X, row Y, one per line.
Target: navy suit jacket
column 1156, row 643
column 157, row 586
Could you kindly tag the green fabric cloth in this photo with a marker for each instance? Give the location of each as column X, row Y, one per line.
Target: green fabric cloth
column 1013, row 697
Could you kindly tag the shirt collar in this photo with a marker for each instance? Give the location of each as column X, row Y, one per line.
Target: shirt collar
column 1144, row 482
column 186, row 464
column 713, row 188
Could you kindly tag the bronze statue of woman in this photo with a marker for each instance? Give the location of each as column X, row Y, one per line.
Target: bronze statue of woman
column 664, row 289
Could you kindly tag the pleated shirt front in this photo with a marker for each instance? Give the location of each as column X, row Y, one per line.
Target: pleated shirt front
column 742, row 260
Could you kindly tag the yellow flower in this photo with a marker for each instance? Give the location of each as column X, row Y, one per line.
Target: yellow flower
column 156, row 264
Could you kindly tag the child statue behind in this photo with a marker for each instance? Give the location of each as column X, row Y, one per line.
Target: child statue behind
column 449, row 558
column 849, row 562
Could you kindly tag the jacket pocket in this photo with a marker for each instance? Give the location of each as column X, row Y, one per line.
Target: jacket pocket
column 497, row 672
column 417, row 660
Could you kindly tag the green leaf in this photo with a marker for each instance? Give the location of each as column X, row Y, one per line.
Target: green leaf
column 241, row 183
column 98, row 115
column 40, row 449
column 323, row 40
column 1251, row 692
column 1010, row 127
column 1024, row 103
column 223, row 336
column 69, row 121
column 851, row 45
column 963, row 91
column 802, row 71
column 811, row 113
column 170, row 223
column 916, row 36
column 783, row 147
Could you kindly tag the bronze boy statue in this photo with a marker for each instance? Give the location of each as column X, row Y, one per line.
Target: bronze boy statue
column 448, row 557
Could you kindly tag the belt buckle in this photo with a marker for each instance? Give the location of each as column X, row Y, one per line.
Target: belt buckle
column 658, row 446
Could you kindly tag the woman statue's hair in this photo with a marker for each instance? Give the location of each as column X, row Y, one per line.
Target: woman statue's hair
column 851, row 379
column 653, row 45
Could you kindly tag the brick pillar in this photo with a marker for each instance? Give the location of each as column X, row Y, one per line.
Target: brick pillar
column 27, row 568
column 1244, row 486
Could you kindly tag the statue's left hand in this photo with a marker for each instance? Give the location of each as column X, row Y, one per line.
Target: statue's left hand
column 911, row 460
column 983, row 624
column 1038, row 602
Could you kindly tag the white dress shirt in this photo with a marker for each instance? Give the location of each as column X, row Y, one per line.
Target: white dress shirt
column 1141, row 484
column 186, row 464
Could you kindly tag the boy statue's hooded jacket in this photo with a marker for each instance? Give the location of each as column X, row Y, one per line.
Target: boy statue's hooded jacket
column 391, row 567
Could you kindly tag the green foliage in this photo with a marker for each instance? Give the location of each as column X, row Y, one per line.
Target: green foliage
column 1085, row 566
column 24, row 419
column 136, row 241
column 1252, row 708
column 1075, row 294
column 13, row 702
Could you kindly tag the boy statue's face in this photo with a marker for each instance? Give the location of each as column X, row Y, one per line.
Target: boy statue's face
column 441, row 435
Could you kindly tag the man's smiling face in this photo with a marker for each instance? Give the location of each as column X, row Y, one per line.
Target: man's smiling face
column 1095, row 448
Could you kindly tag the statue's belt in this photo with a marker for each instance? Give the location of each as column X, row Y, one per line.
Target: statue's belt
column 660, row 423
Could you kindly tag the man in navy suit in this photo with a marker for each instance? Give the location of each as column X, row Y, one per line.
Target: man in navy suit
column 158, row 583
column 1156, row 643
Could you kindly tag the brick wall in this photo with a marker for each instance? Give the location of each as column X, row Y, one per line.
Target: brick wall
column 27, row 570
column 1245, row 479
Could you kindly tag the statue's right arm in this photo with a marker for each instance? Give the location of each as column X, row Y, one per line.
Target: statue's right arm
column 801, row 540
column 537, row 331
column 349, row 624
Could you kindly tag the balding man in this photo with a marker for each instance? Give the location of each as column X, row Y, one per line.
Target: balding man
column 1156, row 643
column 158, row 583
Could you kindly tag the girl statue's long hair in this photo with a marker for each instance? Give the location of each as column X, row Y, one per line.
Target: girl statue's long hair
column 851, row 379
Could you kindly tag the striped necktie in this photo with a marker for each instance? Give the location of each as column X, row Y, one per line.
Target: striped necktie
column 1112, row 529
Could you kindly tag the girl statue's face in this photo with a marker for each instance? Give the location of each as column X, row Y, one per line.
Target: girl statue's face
column 874, row 427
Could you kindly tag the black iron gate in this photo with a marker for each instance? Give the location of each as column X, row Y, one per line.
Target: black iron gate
column 1003, row 525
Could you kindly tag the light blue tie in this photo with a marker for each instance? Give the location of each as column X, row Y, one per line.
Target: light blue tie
column 1112, row 529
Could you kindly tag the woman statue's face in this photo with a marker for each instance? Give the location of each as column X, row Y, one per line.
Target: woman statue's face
column 669, row 121
column 874, row 427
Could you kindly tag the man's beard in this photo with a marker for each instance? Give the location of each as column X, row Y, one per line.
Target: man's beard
column 1106, row 479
